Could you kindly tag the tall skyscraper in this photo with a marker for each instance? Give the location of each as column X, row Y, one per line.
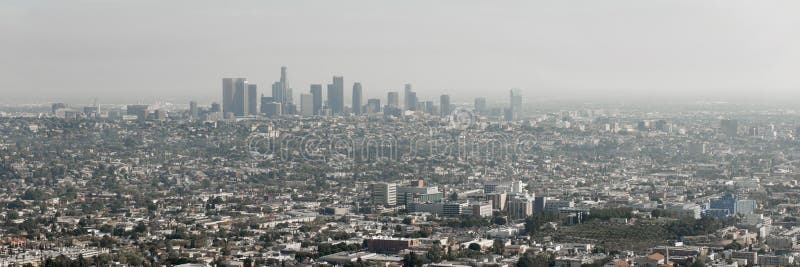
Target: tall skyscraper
column 234, row 96
column 264, row 101
column 277, row 92
column 331, row 95
column 252, row 99
column 193, row 112
column 284, row 82
column 444, row 105
column 515, row 105
column 288, row 96
column 357, row 94
column 393, row 107
column 316, row 94
column 240, row 98
column 516, row 100
column 306, row 104
column 336, row 96
column 480, row 105
column 393, row 100
column 411, row 101
column 227, row 94
column 410, row 98
column 282, row 93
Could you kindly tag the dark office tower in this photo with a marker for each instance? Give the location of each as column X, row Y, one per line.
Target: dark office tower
column 281, row 93
column 539, row 203
column 277, row 92
column 264, row 101
column 284, row 82
column 240, row 97
column 331, row 99
column 252, row 99
column 336, row 96
column 410, row 98
column 411, row 101
column 272, row 109
column 357, row 94
column 516, row 100
column 140, row 111
column 373, row 105
column 193, row 110
column 316, row 95
column 480, row 105
column 228, row 91
column 393, row 100
column 444, row 105
column 215, row 107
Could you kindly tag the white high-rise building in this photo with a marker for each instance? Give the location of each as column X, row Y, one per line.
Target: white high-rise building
column 518, row 188
column 384, row 194
column 520, row 208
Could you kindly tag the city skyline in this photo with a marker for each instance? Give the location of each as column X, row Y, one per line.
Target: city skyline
column 240, row 98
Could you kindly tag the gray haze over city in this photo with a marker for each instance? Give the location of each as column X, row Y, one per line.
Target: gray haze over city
column 146, row 51
column 565, row 133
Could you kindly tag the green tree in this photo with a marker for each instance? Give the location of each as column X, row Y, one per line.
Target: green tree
column 699, row 262
column 454, row 196
column 474, row 246
column 537, row 260
column 498, row 246
column 412, row 260
column 533, row 223
column 434, row 254
column 734, row 246
column 499, row 220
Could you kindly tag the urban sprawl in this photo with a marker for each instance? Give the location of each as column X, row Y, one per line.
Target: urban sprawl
column 269, row 181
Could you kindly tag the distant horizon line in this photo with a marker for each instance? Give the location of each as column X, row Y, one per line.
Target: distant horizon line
column 542, row 101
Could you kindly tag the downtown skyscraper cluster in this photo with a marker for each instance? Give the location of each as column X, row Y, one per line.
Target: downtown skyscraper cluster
column 236, row 93
column 240, row 99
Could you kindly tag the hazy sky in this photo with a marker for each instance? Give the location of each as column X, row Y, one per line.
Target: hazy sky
column 160, row 49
